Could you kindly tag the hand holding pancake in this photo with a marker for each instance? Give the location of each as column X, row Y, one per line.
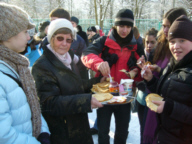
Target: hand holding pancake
column 95, row 103
column 155, row 68
column 155, row 102
column 132, row 73
column 160, row 106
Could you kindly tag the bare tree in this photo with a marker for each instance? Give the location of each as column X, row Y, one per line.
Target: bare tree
column 101, row 7
column 95, row 6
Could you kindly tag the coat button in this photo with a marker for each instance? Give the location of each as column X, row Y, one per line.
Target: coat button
column 168, row 78
column 158, row 142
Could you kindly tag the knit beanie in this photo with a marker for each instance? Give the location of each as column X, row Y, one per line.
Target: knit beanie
column 13, row 21
column 58, row 24
column 181, row 28
column 75, row 19
column 43, row 25
column 31, row 32
column 93, row 29
column 124, row 17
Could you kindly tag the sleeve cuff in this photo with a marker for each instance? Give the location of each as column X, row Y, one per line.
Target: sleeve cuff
column 168, row 107
column 44, row 138
column 151, row 82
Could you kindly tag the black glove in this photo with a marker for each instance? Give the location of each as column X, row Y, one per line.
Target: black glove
column 44, row 138
column 110, row 58
column 141, row 86
column 132, row 61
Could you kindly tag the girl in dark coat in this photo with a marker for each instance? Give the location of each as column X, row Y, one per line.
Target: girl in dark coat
column 175, row 86
column 161, row 58
column 61, row 90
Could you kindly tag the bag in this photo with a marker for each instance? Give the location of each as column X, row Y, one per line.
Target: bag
column 134, row 107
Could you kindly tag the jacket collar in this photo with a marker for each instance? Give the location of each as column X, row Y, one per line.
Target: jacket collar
column 53, row 59
column 112, row 42
column 8, row 69
column 184, row 63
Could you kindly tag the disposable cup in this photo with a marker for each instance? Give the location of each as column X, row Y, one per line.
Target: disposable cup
column 127, row 84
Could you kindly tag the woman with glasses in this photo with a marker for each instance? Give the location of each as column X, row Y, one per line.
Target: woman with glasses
column 61, row 90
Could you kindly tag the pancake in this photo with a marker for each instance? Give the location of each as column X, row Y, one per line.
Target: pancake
column 117, row 100
column 108, row 79
column 132, row 74
column 101, row 97
column 153, row 97
column 147, row 63
column 101, row 87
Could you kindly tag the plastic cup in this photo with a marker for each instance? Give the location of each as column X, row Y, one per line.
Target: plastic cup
column 127, row 84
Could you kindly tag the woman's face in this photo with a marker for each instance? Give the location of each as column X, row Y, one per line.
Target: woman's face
column 179, row 48
column 150, row 42
column 166, row 26
column 123, row 30
column 18, row 43
column 61, row 43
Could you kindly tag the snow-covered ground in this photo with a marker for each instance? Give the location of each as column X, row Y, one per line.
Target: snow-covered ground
column 134, row 132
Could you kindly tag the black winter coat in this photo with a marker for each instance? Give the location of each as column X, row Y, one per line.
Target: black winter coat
column 96, row 36
column 63, row 100
column 175, row 85
column 77, row 47
column 82, row 34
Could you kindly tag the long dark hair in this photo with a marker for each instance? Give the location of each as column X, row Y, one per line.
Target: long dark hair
column 162, row 49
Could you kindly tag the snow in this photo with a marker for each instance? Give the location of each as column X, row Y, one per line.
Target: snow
column 134, row 129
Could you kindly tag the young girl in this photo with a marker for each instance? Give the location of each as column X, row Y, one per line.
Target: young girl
column 20, row 116
column 150, row 43
column 175, row 86
column 161, row 58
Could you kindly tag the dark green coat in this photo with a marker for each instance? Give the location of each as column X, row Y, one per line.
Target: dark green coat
column 63, row 100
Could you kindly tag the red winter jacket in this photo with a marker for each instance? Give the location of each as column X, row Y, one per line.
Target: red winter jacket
column 92, row 56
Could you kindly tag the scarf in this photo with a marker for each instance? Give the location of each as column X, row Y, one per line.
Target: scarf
column 150, row 128
column 65, row 59
column 20, row 64
column 122, row 41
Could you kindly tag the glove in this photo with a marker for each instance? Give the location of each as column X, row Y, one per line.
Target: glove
column 44, row 138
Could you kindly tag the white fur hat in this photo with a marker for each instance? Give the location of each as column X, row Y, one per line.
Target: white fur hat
column 57, row 24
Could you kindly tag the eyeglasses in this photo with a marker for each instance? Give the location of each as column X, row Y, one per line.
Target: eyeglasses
column 60, row 38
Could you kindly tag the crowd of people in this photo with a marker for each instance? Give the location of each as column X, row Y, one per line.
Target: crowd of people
column 46, row 78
